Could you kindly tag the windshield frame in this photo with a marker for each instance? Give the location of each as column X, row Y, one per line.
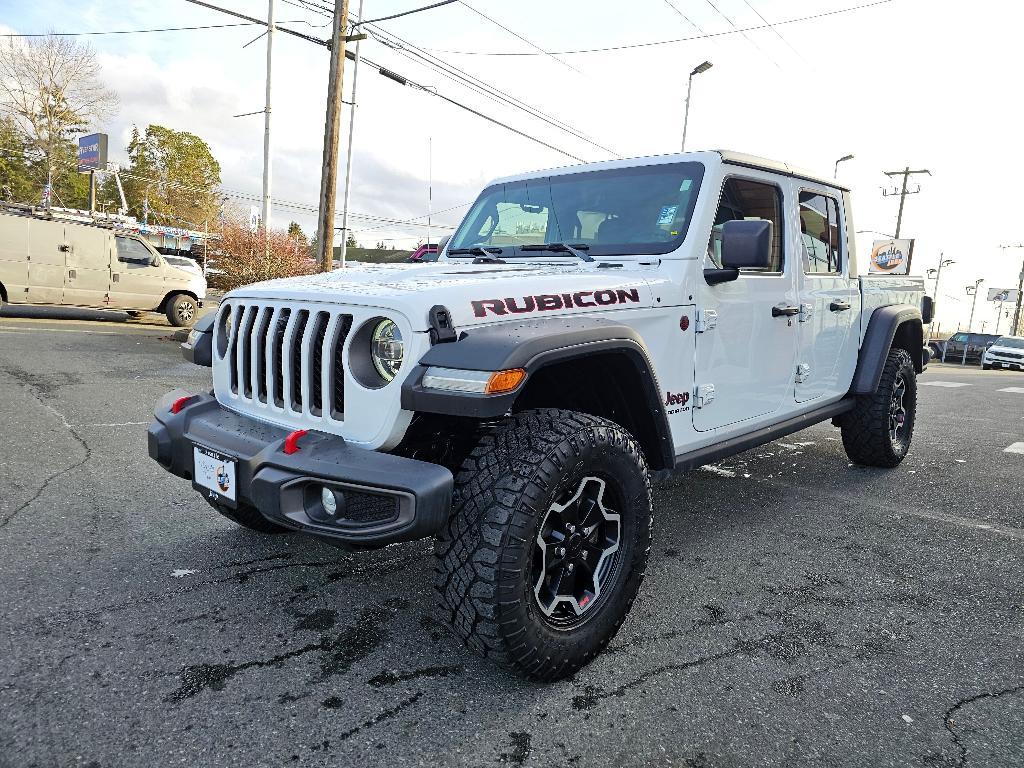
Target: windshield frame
column 694, row 170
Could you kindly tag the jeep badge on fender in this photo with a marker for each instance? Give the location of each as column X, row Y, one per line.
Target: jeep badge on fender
column 380, row 404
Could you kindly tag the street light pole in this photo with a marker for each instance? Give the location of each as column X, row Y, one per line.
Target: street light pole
column 938, row 274
column 348, row 161
column 689, row 86
column 843, row 159
column 970, row 324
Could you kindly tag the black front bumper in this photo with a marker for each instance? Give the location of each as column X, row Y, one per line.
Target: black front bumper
column 384, row 498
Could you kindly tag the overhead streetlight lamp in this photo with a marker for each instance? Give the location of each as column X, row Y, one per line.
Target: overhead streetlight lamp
column 843, row 159
column 699, row 69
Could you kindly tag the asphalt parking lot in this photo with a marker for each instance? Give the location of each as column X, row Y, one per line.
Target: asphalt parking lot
column 797, row 610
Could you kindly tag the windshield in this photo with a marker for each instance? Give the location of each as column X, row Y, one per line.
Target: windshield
column 1014, row 342
column 620, row 211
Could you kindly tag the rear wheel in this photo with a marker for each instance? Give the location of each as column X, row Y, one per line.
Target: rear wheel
column 248, row 517
column 182, row 310
column 547, row 543
column 879, row 429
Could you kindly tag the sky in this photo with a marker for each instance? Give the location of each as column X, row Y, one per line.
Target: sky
column 919, row 83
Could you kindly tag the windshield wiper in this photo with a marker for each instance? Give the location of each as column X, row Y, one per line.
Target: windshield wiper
column 575, row 250
column 478, row 250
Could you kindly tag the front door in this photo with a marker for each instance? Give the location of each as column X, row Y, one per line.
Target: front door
column 746, row 355
column 88, row 266
column 829, row 300
column 137, row 276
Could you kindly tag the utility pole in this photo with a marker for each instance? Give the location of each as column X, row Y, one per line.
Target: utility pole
column 332, row 125
column 266, row 134
column 1015, row 329
column 906, row 173
column 971, row 289
column 348, row 161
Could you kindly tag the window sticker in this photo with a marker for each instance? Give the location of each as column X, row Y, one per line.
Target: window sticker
column 667, row 215
column 687, row 183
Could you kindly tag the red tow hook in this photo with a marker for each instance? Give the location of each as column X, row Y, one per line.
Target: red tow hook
column 291, row 443
column 178, row 405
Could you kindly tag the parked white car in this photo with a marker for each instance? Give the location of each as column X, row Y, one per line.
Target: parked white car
column 583, row 328
column 1005, row 352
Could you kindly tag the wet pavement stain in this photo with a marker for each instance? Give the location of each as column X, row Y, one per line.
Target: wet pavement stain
column 320, row 620
column 393, row 678
column 520, row 749
column 386, row 714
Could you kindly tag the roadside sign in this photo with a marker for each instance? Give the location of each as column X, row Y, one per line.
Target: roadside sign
column 92, row 152
column 1002, row 294
column 891, row 257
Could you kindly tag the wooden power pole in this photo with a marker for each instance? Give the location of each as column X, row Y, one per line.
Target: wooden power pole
column 332, row 130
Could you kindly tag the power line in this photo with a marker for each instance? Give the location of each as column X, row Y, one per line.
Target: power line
column 675, row 8
column 517, row 36
column 451, row 72
column 745, row 35
column 407, row 13
column 674, row 41
column 777, row 33
column 135, row 31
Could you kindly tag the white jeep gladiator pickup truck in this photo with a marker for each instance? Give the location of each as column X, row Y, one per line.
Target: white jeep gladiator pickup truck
column 583, row 328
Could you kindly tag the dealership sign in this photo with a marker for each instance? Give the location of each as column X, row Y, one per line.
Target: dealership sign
column 1002, row 294
column 92, row 152
column 891, row 257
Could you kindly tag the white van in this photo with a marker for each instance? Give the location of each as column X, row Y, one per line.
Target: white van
column 47, row 260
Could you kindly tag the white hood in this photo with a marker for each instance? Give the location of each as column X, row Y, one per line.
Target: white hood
column 472, row 293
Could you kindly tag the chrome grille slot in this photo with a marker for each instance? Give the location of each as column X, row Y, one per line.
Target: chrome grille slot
column 286, row 362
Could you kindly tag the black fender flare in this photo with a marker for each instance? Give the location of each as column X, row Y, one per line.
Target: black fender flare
column 531, row 345
column 882, row 329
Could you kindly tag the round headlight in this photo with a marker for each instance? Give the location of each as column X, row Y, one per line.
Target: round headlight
column 387, row 349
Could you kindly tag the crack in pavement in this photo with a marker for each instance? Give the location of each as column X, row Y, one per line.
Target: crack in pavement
column 386, row 714
column 947, row 718
column 36, row 391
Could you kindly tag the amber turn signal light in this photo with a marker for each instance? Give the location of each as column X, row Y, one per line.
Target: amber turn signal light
column 504, row 381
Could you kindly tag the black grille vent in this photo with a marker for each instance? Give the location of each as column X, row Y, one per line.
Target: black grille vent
column 338, row 406
column 367, row 508
column 300, row 326
column 236, row 320
column 262, row 326
column 278, row 352
column 316, row 353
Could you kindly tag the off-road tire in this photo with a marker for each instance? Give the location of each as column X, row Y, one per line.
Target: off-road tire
column 485, row 555
column 182, row 310
column 248, row 517
column 866, row 428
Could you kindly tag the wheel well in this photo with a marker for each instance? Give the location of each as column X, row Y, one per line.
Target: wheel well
column 171, row 295
column 910, row 336
column 609, row 385
column 3, row 293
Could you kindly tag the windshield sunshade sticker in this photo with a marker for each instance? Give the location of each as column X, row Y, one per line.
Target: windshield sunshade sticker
column 549, row 301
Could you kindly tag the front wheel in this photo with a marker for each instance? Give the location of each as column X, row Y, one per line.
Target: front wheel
column 878, row 431
column 547, row 543
column 986, row 367
column 182, row 310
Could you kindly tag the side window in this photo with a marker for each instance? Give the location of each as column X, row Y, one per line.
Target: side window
column 745, row 199
column 131, row 250
column 819, row 234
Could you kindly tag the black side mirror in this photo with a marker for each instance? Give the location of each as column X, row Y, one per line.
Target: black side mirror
column 747, row 244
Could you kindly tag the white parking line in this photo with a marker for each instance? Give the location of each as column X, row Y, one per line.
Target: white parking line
column 951, row 384
column 1018, row 390
column 1014, row 448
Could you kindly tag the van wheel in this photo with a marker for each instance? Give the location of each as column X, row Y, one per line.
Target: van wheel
column 547, row 543
column 182, row 310
column 878, row 431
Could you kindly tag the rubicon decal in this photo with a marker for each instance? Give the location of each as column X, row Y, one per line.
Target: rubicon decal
column 549, row 301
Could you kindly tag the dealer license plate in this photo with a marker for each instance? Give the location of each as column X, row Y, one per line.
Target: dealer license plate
column 215, row 472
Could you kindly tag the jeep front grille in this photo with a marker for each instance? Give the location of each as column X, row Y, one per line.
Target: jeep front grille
column 284, row 358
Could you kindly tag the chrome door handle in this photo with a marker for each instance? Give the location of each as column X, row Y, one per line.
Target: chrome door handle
column 72, row 274
column 785, row 311
column 838, row 306
column 116, row 277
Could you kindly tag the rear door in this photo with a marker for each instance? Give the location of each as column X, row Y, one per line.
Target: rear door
column 14, row 255
column 47, row 266
column 88, row 265
column 829, row 298
column 137, row 282
column 745, row 356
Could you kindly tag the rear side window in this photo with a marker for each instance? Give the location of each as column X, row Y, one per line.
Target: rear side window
column 745, row 199
column 819, row 234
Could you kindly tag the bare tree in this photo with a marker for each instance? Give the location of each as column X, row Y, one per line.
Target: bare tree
column 51, row 88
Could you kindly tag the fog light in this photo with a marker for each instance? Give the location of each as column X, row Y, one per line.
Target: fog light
column 329, row 501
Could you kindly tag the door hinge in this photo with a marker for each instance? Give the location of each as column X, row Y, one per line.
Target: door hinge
column 806, row 310
column 705, row 395
column 802, row 372
column 707, row 320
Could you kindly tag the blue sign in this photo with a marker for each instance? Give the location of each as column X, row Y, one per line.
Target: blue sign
column 92, row 152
